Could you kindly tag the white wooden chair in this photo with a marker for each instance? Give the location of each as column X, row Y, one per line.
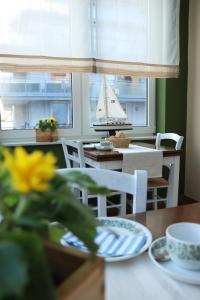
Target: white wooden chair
column 74, row 157
column 154, row 184
column 169, row 136
column 73, row 153
column 135, row 185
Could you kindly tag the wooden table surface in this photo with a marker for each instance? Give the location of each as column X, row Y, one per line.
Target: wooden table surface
column 158, row 220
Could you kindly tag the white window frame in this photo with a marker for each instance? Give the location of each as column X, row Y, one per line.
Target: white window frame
column 81, row 107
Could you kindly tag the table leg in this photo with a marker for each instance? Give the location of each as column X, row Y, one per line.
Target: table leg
column 172, row 192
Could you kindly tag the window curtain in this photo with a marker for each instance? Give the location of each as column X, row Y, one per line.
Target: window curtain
column 124, row 37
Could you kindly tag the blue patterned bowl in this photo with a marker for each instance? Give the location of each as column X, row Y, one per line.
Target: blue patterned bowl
column 183, row 244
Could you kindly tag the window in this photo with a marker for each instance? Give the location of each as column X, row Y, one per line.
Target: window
column 72, row 99
column 27, row 97
column 131, row 92
column 136, row 96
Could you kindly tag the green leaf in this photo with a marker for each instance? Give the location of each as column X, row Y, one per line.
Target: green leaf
column 40, row 282
column 1, row 153
column 78, row 219
column 11, row 200
column 13, row 269
column 85, row 181
column 41, row 285
column 56, row 231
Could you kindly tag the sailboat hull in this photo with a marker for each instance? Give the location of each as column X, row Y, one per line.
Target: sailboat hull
column 108, row 127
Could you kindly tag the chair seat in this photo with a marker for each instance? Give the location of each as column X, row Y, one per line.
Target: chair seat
column 158, row 182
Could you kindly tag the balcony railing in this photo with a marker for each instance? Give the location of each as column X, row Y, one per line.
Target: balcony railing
column 35, row 89
column 126, row 89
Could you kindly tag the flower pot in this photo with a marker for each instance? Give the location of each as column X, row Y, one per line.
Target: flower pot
column 46, row 135
column 78, row 275
column 54, row 135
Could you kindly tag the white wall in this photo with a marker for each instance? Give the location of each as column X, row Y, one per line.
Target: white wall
column 192, row 182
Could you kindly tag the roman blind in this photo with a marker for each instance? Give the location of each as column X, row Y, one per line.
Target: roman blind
column 125, row 37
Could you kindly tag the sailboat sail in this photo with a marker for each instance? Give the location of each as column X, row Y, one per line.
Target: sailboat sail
column 109, row 111
column 101, row 108
column 108, row 105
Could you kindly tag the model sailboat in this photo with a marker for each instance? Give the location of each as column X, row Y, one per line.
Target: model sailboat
column 109, row 112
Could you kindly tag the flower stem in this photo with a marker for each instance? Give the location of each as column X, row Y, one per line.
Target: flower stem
column 20, row 207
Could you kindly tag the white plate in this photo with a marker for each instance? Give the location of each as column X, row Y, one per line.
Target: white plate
column 123, row 227
column 172, row 269
column 104, row 148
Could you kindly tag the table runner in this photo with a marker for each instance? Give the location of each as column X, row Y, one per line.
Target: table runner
column 141, row 158
column 140, row 279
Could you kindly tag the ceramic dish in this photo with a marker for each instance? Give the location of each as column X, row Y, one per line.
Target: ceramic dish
column 123, row 227
column 170, row 268
column 90, row 146
column 104, row 148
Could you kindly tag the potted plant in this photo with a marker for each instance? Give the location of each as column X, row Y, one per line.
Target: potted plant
column 36, row 208
column 46, row 130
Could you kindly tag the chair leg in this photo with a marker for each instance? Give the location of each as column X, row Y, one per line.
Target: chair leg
column 155, row 198
column 102, row 207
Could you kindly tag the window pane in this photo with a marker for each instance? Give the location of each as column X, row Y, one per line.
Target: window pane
column 131, row 92
column 25, row 98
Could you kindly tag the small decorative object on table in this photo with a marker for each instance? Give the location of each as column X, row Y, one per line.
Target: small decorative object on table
column 37, row 207
column 119, row 140
column 46, row 130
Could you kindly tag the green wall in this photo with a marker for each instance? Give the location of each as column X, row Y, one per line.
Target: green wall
column 171, row 94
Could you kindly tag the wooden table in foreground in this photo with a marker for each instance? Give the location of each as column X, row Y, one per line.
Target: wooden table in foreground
column 139, row 278
column 158, row 220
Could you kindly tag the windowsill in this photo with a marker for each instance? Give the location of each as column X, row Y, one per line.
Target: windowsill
column 85, row 140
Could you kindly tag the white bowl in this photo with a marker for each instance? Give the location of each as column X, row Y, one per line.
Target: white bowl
column 105, row 143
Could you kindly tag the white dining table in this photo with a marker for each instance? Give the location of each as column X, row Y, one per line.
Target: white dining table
column 114, row 161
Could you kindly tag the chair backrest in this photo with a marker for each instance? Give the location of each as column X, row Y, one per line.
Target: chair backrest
column 169, row 136
column 73, row 153
column 135, row 184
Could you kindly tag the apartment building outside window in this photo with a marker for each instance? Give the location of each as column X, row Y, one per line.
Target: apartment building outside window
column 25, row 98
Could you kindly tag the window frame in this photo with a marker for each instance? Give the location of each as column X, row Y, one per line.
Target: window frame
column 80, row 117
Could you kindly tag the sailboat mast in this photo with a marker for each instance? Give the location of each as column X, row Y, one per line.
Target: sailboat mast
column 105, row 98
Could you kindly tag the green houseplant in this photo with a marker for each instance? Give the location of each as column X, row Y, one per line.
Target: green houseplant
column 36, row 205
column 46, row 130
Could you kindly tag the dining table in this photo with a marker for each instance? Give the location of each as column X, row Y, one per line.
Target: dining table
column 139, row 278
column 113, row 160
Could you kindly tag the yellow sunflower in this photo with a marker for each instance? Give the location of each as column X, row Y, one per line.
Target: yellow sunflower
column 52, row 120
column 30, row 172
